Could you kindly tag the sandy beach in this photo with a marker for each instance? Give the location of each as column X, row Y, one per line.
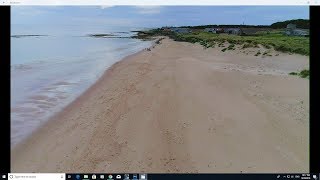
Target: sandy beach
column 181, row 108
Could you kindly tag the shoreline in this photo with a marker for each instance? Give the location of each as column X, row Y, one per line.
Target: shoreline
column 153, row 87
column 75, row 99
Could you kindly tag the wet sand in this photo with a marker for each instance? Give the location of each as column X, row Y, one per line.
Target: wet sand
column 181, row 108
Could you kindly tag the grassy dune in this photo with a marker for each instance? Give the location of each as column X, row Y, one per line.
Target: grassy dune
column 275, row 39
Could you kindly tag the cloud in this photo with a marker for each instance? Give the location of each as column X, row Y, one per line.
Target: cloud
column 148, row 9
column 105, row 7
column 28, row 11
column 103, row 20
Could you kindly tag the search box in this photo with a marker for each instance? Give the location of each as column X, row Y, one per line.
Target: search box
column 36, row 176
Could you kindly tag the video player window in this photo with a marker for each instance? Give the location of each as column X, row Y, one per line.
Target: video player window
column 159, row 89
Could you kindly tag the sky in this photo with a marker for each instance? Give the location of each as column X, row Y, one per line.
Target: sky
column 154, row 16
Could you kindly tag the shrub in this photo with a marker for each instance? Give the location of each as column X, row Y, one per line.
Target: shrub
column 231, row 47
column 267, row 46
column 293, row 73
column 258, row 53
column 304, row 73
column 249, row 45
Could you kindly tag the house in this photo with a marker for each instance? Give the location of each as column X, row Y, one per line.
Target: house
column 219, row 30
column 292, row 30
column 214, row 30
column 291, row 26
column 166, row 29
column 235, row 31
column 300, row 32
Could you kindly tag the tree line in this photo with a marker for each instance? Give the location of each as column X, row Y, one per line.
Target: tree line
column 301, row 23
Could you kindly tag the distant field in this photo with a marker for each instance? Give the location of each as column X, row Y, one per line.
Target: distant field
column 275, row 39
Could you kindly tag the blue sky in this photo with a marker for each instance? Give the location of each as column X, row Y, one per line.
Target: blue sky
column 155, row 16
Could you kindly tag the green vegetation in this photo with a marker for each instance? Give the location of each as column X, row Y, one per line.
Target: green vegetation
column 267, row 46
column 258, row 53
column 278, row 41
column 303, row 74
column 221, row 44
column 266, row 53
column 231, row 47
column 206, row 44
column 293, row 73
column 301, row 23
column 148, row 35
column 225, row 26
column 100, row 35
column 249, row 45
column 268, row 39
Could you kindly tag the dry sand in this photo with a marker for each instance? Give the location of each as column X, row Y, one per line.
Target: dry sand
column 181, row 108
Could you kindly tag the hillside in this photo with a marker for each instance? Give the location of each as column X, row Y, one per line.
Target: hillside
column 301, row 23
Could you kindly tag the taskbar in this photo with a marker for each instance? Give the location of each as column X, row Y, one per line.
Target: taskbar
column 153, row 176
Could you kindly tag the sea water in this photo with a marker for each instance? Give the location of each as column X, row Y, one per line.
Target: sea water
column 48, row 72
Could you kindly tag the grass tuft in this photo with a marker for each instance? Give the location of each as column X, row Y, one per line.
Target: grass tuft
column 303, row 74
column 258, row 53
column 224, row 49
column 293, row 73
